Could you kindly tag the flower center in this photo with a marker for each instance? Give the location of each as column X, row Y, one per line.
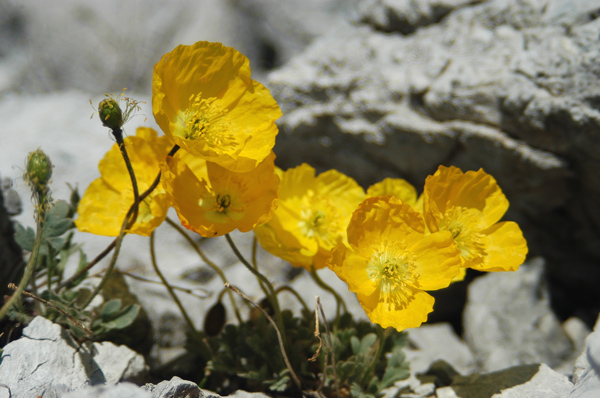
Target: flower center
column 392, row 269
column 320, row 219
column 207, row 120
column 463, row 224
column 221, row 208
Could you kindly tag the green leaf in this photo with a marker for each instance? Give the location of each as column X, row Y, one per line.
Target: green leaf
column 56, row 242
column 24, row 237
column 355, row 344
column 110, row 308
column 57, row 221
column 82, row 264
column 367, row 342
column 126, row 316
column 280, row 384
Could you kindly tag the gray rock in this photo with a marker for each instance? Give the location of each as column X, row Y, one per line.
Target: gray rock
column 47, row 355
column 505, row 85
column 120, row 390
column 115, row 45
column 508, row 320
column 531, row 381
column 546, row 383
column 174, row 388
column 587, row 367
column 430, row 343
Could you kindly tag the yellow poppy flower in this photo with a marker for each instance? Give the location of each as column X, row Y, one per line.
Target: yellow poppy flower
column 399, row 188
column 311, row 217
column 469, row 205
column 213, row 201
column 389, row 262
column 204, row 99
column 106, row 201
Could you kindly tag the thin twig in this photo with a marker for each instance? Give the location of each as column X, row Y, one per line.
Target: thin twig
column 179, row 288
column 80, row 325
column 169, row 288
column 8, row 388
column 328, row 340
column 208, row 262
column 281, row 346
column 272, row 295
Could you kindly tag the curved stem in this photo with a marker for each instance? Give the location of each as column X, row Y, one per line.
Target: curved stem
column 295, row 294
column 339, row 300
column 255, row 264
column 127, row 222
column 169, row 288
column 111, row 266
column 31, row 263
column 214, row 266
column 112, row 245
column 272, row 295
column 118, row 134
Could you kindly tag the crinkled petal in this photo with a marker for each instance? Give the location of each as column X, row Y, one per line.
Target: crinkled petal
column 437, row 260
column 505, row 246
column 352, row 269
column 450, row 187
column 211, row 83
column 224, row 202
column 397, row 187
column 420, row 304
column 383, row 219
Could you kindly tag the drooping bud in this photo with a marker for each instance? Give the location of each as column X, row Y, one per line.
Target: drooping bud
column 110, row 113
column 39, row 170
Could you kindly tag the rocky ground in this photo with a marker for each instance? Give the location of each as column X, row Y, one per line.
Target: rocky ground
column 375, row 89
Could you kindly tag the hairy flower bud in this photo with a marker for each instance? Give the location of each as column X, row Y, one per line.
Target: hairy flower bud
column 110, row 113
column 39, row 169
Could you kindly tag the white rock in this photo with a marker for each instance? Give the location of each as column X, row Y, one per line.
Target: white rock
column 46, row 355
column 508, row 320
column 546, row 383
column 438, row 341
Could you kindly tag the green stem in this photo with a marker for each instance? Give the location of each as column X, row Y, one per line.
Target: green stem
column 295, row 294
column 118, row 134
column 31, row 263
column 339, row 300
column 255, row 264
column 111, row 266
column 127, row 222
column 272, row 295
column 169, row 288
column 211, row 264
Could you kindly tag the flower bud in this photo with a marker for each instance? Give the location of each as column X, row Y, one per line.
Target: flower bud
column 110, row 113
column 39, row 169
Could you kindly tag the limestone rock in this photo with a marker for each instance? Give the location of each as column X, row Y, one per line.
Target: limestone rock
column 47, row 355
column 532, row 381
column 176, row 387
column 438, row 341
column 508, row 320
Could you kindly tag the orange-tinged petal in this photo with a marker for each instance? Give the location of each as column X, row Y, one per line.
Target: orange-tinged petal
column 413, row 314
column 437, row 260
column 225, row 200
column 384, row 219
column 505, row 246
column 450, row 187
column 352, row 269
column 397, row 187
